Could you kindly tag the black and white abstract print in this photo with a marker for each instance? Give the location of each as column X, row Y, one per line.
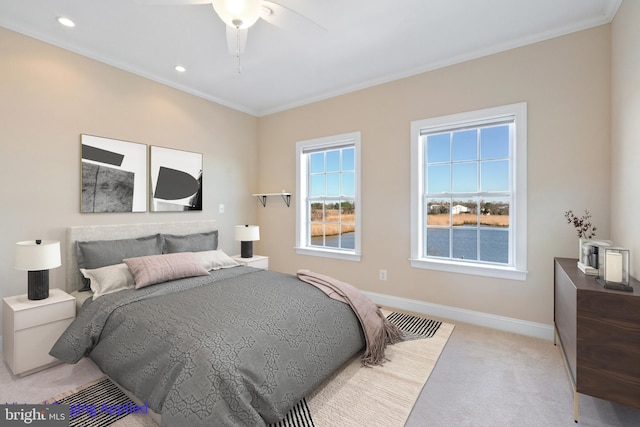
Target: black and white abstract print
column 176, row 180
column 114, row 175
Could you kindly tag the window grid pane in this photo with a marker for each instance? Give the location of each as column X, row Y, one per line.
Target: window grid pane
column 331, row 199
column 468, row 162
column 437, row 243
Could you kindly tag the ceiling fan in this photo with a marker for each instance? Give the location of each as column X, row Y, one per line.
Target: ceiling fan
column 240, row 15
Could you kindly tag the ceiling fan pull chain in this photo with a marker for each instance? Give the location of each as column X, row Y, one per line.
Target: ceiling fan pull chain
column 238, row 48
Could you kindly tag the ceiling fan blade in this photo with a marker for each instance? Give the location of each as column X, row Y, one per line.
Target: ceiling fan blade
column 286, row 17
column 170, row 2
column 236, row 40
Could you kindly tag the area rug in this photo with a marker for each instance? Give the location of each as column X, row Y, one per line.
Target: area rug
column 383, row 395
column 353, row 396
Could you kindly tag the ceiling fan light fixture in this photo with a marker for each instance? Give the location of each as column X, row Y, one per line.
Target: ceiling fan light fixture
column 238, row 13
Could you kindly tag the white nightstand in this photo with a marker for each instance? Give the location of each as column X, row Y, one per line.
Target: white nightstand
column 257, row 261
column 30, row 328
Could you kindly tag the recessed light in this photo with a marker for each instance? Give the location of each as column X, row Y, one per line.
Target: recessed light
column 66, row 21
column 180, row 68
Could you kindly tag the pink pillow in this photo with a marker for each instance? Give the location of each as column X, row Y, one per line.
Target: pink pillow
column 152, row 269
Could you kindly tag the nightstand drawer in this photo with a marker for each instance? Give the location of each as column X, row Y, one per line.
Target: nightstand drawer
column 256, row 261
column 31, row 346
column 30, row 317
column 259, row 263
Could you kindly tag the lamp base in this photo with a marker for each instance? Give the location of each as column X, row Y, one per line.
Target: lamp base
column 246, row 249
column 38, row 284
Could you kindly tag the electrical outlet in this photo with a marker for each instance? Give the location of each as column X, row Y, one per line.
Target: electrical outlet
column 383, row 274
column 221, row 208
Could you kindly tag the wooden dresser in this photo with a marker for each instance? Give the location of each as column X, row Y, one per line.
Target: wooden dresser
column 599, row 332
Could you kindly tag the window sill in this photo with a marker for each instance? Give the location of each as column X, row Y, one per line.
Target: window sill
column 476, row 270
column 327, row 253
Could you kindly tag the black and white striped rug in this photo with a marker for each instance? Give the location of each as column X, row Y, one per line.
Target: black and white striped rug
column 414, row 327
column 299, row 416
column 109, row 404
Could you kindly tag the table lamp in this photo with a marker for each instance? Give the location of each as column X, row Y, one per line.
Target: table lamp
column 37, row 257
column 247, row 234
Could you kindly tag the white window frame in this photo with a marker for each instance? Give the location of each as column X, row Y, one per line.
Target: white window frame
column 302, row 174
column 518, row 238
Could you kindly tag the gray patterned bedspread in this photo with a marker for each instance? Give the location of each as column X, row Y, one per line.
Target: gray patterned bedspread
column 239, row 347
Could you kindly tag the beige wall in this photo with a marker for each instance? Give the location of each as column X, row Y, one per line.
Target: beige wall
column 625, row 130
column 49, row 96
column 566, row 83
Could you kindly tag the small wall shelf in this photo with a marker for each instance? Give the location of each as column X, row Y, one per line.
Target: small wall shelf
column 262, row 197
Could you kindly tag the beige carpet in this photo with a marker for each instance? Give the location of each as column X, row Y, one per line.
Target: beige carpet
column 354, row 395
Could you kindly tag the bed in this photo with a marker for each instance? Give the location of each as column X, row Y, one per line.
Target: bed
column 233, row 346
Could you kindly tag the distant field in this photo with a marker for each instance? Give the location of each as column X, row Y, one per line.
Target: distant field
column 334, row 229
column 439, row 219
column 469, row 219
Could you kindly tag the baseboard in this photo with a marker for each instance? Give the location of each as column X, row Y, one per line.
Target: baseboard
column 509, row 324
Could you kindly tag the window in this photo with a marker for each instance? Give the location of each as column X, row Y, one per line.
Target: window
column 468, row 192
column 328, row 202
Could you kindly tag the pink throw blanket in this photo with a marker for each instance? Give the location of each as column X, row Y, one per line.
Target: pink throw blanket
column 378, row 331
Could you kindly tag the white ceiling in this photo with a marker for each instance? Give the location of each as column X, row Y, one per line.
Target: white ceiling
column 366, row 42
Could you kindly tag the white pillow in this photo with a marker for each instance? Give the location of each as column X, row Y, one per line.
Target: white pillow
column 108, row 279
column 215, row 260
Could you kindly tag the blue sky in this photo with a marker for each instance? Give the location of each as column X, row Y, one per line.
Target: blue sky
column 328, row 169
column 453, row 159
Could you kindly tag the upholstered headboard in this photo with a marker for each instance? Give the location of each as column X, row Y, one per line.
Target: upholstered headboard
column 122, row 231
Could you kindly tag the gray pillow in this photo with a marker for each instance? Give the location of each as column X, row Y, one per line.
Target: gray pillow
column 100, row 253
column 196, row 242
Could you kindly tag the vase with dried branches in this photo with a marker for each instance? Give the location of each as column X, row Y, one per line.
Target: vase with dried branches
column 585, row 230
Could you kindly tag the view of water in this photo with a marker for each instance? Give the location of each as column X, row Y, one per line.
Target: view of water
column 494, row 243
column 348, row 241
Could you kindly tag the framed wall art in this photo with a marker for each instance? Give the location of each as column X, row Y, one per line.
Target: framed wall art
column 176, row 180
column 114, row 175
